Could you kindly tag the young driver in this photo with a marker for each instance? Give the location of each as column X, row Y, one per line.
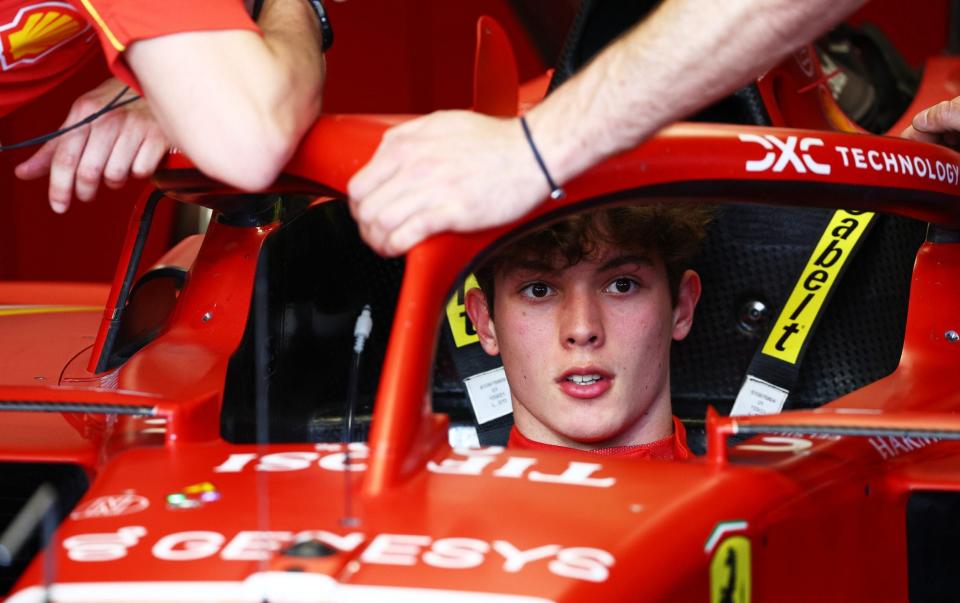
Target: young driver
column 583, row 313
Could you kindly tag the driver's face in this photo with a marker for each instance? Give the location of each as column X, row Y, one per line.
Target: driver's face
column 586, row 349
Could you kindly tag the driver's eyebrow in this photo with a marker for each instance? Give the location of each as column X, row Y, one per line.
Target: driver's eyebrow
column 627, row 259
column 536, row 266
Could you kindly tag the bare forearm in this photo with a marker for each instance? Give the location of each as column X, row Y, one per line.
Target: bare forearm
column 235, row 102
column 464, row 171
column 293, row 38
column 651, row 77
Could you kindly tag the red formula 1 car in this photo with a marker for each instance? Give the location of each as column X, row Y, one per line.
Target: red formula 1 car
column 181, row 437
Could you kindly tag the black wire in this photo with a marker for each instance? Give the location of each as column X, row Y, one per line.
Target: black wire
column 348, row 518
column 352, row 386
column 113, row 104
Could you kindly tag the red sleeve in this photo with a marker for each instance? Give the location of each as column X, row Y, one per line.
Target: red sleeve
column 119, row 23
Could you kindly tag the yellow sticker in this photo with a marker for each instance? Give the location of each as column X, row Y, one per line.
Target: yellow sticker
column 818, row 277
column 730, row 571
column 460, row 324
column 25, row 310
column 199, row 488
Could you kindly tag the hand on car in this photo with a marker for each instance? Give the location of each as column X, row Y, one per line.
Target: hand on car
column 451, row 170
column 123, row 141
column 939, row 124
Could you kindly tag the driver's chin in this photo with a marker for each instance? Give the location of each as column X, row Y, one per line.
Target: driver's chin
column 590, row 431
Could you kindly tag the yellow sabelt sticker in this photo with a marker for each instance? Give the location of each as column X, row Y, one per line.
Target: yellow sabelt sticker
column 460, row 324
column 730, row 571
column 798, row 315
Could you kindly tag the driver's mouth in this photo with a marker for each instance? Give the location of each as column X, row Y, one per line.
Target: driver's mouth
column 584, row 379
column 585, row 383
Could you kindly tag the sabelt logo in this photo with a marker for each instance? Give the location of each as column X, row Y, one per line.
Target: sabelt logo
column 38, row 29
column 793, row 152
column 795, row 321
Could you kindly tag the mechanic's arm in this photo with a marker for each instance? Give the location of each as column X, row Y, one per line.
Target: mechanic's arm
column 235, row 102
column 463, row 171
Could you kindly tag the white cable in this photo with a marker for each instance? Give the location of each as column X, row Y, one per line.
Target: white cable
column 361, row 330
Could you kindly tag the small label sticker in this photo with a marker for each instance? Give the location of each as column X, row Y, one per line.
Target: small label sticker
column 463, row 436
column 757, row 397
column 112, row 506
column 489, row 394
column 193, row 496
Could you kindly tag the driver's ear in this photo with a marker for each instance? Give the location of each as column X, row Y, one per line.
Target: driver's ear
column 688, row 294
column 476, row 305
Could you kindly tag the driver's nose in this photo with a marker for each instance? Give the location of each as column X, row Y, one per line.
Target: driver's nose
column 581, row 321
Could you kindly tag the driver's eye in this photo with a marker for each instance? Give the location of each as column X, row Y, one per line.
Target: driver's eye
column 622, row 285
column 536, row 290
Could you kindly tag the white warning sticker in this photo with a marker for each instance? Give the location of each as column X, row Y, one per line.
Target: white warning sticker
column 757, row 397
column 489, row 394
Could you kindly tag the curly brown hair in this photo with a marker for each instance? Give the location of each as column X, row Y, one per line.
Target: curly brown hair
column 673, row 231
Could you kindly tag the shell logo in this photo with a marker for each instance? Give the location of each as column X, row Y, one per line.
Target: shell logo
column 37, row 30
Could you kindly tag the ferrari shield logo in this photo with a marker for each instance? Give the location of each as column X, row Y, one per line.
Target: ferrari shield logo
column 730, row 571
column 38, row 29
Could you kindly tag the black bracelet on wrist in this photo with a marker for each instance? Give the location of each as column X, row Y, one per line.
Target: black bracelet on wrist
column 326, row 30
column 556, row 191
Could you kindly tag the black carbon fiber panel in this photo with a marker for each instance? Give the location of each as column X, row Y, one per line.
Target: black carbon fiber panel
column 755, row 254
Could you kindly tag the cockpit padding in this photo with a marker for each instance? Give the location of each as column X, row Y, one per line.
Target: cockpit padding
column 319, row 275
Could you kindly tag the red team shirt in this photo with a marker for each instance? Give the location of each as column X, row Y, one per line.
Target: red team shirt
column 45, row 42
column 670, row 448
